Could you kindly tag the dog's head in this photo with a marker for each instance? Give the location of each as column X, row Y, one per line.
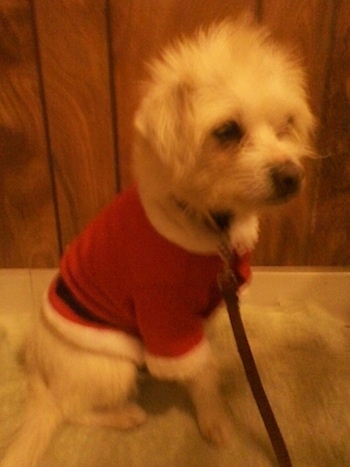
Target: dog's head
column 227, row 117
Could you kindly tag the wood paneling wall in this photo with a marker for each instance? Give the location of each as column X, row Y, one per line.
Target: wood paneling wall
column 28, row 232
column 69, row 74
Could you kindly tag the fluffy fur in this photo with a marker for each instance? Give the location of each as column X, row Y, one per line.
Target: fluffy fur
column 231, row 75
column 220, row 132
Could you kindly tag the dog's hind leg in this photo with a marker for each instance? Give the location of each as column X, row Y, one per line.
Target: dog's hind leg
column 108, row 401
column 102, row 395
column 122, row 418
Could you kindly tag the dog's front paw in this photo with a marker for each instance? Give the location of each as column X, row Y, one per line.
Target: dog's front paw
column 216, row 427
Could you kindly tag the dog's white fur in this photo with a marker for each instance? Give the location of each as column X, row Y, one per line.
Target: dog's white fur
column 187, row 170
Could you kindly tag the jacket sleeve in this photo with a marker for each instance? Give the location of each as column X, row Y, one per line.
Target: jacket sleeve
column 172, row 331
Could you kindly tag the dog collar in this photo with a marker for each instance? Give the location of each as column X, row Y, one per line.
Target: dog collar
column 219, row 222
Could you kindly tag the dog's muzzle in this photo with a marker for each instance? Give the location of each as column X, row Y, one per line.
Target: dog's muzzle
column 286, row 179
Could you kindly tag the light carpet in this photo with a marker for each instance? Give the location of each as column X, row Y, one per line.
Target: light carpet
column 303, row 356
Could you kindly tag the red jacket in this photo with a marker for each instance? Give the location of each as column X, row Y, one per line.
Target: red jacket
column 120, row 276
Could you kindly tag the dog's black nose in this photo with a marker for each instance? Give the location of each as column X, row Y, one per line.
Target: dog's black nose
column 286, row 179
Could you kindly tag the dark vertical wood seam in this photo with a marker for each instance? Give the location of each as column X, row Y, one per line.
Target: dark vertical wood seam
column 314, row 197
column 112, row 92
column 259, row 10
column 46, row 125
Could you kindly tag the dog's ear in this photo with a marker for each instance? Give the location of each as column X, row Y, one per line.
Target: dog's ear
column 165, row 121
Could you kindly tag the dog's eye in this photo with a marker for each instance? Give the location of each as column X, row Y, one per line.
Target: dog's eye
column 291, row 120
column 227, row 132
column 287, row 128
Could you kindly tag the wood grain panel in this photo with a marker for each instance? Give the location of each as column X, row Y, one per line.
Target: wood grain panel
column 58, row 111
column 27, row 220
column 140, row 30
column 74, row 58
column 330, row 241
column 304, row 27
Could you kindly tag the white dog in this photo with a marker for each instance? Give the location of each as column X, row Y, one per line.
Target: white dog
column 221, row 131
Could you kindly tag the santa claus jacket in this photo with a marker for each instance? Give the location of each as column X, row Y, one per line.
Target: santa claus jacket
column 126, row 291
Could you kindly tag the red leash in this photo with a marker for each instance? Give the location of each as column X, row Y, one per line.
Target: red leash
column 229, row 286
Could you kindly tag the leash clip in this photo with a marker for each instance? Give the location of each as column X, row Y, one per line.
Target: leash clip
column 228, row 275
column 225, row 252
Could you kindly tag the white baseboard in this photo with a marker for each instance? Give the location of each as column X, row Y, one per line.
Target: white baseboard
column 329, row 287
column 21, row 289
